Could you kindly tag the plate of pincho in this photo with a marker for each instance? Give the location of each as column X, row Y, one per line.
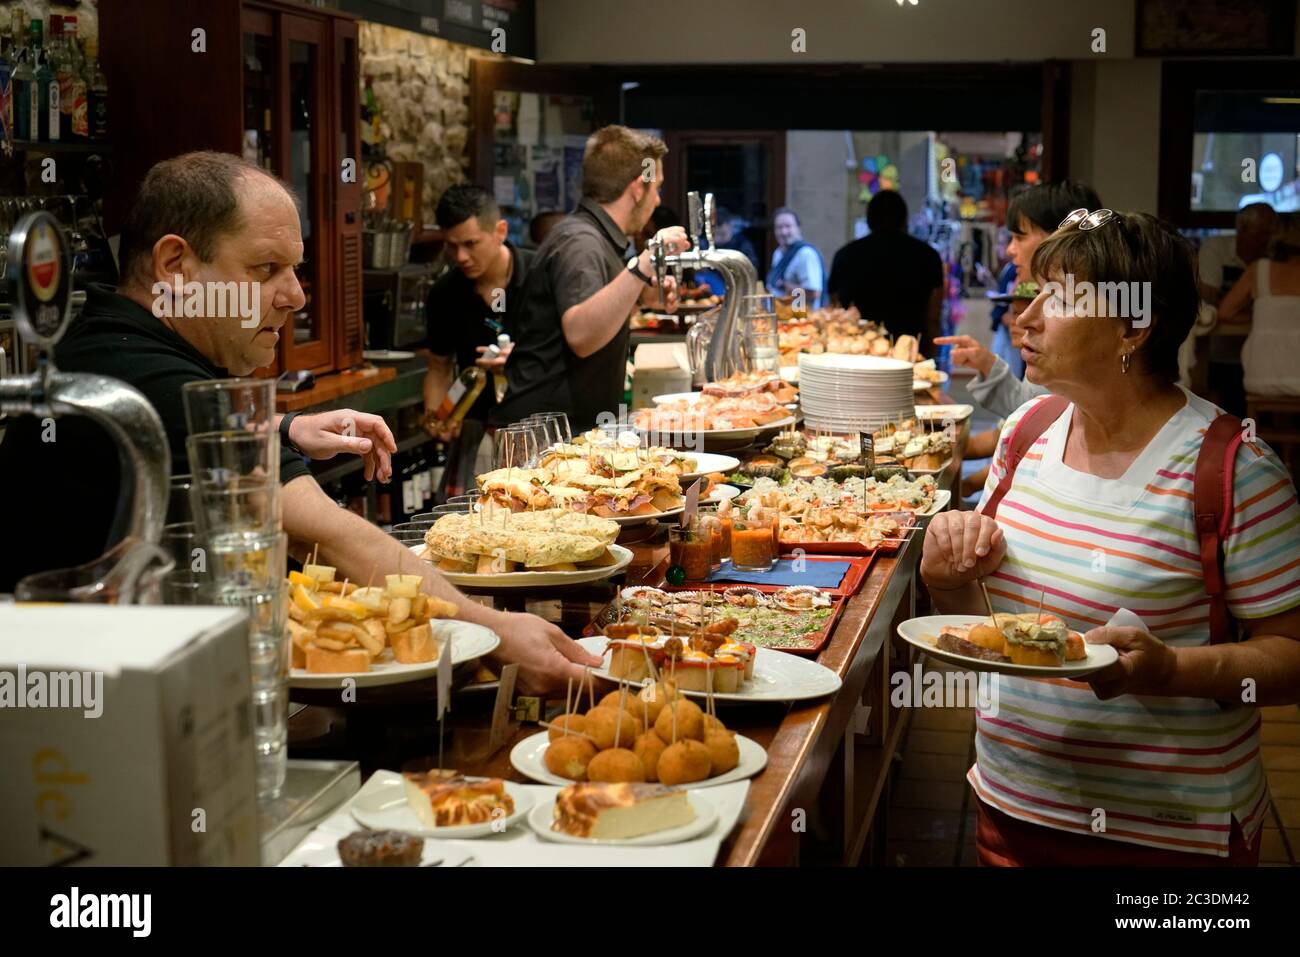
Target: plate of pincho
column 496, row 548
column 632, row 814
column 373, row 635
column 724, row 410
column 797, row 619
column 1032, row 644
column 736, row 670
column 440, row 806
column 631, row 735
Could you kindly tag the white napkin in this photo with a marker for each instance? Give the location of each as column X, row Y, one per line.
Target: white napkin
column 1123, row 618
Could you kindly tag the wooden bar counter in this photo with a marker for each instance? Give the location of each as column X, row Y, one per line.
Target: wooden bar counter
column 821, row 800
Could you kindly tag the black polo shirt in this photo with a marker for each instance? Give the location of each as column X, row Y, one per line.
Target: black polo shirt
column 579, row 257
column 889, row 276
column 458, row 320
column 71, row 485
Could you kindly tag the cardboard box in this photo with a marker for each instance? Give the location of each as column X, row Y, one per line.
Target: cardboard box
column 128, row 739
column 661, row 368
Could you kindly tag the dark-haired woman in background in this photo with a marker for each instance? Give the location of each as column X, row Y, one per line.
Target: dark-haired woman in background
column 1033, row 214
column 1154, row 760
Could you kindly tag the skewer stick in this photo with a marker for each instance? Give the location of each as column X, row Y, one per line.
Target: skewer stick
column 568, row 697
column 591, row 688
column 371, row 579
column 315, row 553
column 548, row 725
column 622, row 701
column 987, row 603
column 1042, row 595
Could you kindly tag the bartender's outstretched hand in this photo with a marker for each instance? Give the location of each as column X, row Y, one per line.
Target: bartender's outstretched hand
column 546, row 656
column 326, row 434
column 959, row 548
column 496, row 363
column 966, row 351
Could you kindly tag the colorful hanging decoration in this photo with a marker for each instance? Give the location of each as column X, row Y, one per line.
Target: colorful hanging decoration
column 877, row 173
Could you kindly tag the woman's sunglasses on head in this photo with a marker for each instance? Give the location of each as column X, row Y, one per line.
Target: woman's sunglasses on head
column 1087, row 220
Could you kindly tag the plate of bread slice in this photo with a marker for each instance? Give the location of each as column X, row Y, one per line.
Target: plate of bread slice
column 374, row 634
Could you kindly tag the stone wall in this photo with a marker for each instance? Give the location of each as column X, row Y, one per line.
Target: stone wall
column 422, row 86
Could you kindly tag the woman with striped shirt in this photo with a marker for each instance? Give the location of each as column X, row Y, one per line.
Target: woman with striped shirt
column 1154, row 760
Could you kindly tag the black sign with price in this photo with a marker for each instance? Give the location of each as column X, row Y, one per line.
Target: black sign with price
column 476, row 23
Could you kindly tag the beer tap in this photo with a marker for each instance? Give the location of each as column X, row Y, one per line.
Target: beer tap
column 41, row 293
column 722, row 342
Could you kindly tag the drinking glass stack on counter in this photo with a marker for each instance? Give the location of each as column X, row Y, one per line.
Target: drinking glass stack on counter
column 234, row 455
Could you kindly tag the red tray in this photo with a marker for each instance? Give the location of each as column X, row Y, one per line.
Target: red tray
column 848, row 585
column 906, row 519
column 606, row 615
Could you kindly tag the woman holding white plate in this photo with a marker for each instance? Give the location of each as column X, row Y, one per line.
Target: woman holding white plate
column 1093, row 496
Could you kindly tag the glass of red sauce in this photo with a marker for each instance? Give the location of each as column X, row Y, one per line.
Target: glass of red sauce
column 692, row 549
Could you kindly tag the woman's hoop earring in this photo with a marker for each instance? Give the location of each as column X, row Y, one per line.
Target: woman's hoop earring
column 1124, row 361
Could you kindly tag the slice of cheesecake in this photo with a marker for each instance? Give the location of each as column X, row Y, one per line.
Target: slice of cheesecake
column 613, row 812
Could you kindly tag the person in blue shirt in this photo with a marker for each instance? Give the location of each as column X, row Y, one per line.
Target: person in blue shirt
column 796, row 263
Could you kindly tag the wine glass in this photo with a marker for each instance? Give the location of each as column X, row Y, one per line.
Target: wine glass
column 516, row 446
column 560, row 426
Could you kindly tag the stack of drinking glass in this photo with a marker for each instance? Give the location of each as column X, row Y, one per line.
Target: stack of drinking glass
column 236, row 548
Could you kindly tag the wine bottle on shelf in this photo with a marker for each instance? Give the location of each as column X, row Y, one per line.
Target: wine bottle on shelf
column 439, row 466
column 464, row 392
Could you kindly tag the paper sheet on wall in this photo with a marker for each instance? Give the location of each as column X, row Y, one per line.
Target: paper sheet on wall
column 503, row 190
column 528, row 125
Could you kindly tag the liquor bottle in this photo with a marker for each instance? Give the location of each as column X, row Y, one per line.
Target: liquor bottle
column 462, row 394
column 22, row 88
column 71, row 73
column 7, row 51
column 45, row 102
column 96, row 93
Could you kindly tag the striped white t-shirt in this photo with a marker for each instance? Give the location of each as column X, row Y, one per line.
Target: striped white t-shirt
column 1165, row 772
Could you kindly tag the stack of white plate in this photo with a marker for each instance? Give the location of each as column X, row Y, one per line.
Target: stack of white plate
column 845, row 393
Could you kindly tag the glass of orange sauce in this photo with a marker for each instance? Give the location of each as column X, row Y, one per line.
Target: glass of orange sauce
column 753, row 543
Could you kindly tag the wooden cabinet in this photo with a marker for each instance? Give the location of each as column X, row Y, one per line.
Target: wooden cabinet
column 276, row 82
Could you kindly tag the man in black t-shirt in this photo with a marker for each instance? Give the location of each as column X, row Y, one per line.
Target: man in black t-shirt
column 571, row 349
column 209, row 221
column 467, row 308
column 892, row 278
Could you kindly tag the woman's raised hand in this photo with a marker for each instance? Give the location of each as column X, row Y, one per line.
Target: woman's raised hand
column 959, row 548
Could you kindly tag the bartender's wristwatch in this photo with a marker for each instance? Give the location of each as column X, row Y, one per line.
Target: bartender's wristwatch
column 285, row 441
column 635, row 270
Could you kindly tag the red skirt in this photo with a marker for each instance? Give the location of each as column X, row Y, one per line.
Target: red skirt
column 1005, row 841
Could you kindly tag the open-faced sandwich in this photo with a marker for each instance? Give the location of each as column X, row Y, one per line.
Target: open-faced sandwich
column 1025, row 639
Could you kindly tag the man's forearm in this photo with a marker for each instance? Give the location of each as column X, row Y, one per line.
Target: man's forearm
column 358, row 549
column 591, row 324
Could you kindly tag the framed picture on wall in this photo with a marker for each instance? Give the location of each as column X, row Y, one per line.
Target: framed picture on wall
column 1168, row 28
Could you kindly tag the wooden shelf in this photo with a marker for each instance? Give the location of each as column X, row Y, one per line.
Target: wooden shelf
column 63, row 146
column 331, row 387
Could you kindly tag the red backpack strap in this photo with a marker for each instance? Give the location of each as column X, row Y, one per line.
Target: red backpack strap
column 1212, row 506
column 1027, row 431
